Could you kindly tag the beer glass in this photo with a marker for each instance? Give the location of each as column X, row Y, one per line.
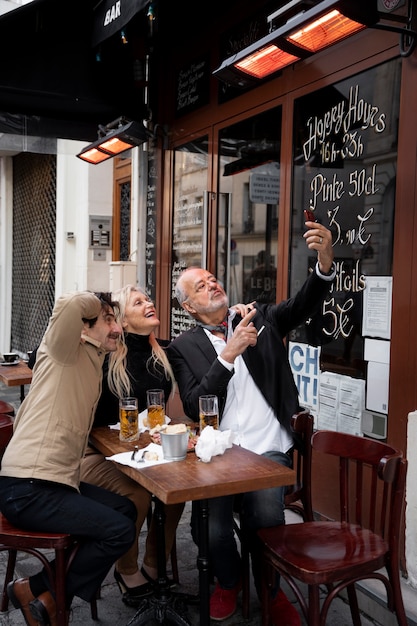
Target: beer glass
column 209, row 411
column 156, row 407
column 128, row 415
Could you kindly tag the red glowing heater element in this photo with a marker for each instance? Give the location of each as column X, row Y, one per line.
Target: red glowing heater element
column 298, row 30
column 265, row 61
column 325, row 31
column 116, row 138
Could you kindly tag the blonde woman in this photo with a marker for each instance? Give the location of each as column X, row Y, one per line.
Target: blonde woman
column 140, row 363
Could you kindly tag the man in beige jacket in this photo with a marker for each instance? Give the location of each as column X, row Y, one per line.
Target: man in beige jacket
column 40, row 488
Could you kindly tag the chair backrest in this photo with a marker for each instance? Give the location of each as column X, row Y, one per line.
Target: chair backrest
column 302, row 424
column 371, row 481
column 6, row 432
column 7, row 408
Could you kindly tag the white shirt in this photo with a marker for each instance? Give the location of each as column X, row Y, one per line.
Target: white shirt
column 246, row 413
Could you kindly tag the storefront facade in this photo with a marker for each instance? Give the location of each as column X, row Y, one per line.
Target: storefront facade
column 226, row 180
column 335, row 133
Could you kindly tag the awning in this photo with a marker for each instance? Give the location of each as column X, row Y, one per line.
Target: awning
column 53, row 77
column 110, row 16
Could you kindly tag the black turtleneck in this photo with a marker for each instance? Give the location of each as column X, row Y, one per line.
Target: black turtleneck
column 142, row 376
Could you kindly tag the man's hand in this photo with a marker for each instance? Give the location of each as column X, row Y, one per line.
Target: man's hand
column 319, row 238
column 243, row 309
column 244, row 335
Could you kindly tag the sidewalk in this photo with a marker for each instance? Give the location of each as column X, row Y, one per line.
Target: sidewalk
column 112, row 611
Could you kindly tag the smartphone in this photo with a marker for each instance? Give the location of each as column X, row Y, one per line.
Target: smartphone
column 309, row 216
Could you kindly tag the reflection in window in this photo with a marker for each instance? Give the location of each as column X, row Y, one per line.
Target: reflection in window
column 249, row 183
column 189, row 234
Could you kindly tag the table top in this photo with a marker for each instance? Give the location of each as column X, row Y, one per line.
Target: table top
column 236, row 471
column 14, row 375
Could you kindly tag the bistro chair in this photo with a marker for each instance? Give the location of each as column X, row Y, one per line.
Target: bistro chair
column 7, row 408
column 297, row 497
column 331, row 556
column 16, row 540
column 6, row 431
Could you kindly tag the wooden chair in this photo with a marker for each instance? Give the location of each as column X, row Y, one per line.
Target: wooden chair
column 334, row 555
column 16, row 540
column 6, row 431
column 7, row 408
column 297, row 497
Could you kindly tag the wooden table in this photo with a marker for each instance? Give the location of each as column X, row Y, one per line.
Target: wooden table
column 14, row 375
column 236, row 471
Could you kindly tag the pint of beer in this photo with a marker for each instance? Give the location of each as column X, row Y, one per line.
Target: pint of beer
column 209, row 411
column 156, row 407
column 128, row 415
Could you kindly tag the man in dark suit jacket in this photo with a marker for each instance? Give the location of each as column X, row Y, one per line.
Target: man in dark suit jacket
column 248, row 369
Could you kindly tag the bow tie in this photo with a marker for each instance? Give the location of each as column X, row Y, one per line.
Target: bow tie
column 221, row 328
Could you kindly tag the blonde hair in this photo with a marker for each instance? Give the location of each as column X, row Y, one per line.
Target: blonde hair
column 117, row 377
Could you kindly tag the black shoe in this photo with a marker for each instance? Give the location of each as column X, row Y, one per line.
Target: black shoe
column 133, row 596
column 171, row 583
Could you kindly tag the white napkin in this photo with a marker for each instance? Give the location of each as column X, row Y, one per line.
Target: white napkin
column 212, row 442
column 142, row 428
column 125, row 458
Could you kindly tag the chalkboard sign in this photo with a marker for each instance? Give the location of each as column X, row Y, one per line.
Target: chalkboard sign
column 192, row 86
column 151, row 223
column 180, row 320
column 344, row 170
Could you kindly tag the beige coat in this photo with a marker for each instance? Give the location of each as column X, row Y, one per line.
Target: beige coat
column 53, row 423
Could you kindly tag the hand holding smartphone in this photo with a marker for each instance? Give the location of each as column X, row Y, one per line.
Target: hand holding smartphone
column 309, row 216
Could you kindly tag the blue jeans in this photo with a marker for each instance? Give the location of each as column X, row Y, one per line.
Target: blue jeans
column 103, row 520
column 258, row 509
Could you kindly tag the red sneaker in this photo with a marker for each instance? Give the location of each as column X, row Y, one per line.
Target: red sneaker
column 282, row 612
column 223, row 602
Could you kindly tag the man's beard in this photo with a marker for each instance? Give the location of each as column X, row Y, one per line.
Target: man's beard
column 213, row 306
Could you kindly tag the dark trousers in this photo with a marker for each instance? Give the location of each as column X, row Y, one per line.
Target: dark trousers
column 258, row 509
column 103, row 520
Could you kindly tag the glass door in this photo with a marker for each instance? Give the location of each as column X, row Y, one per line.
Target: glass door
column 190, row 219
column 249, row 185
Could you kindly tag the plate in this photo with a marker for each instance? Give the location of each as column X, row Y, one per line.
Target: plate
column 125, row 458
column 10, row 364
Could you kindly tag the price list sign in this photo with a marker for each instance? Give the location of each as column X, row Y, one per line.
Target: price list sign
column 344, row 171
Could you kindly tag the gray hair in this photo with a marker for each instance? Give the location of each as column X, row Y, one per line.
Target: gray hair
column 180, row 294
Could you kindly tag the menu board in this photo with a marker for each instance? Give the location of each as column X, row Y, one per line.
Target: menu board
column 344, row 171
column 192, row 86
column 150, row 237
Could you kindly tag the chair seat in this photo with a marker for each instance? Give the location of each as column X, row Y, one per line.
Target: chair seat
column 362, row 543
column 324, row 552
column 19, row 538
column 14, row 539
column 6, row 408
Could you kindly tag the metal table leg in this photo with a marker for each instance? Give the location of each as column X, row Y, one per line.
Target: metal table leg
column 164, row 606
column 203, row 563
